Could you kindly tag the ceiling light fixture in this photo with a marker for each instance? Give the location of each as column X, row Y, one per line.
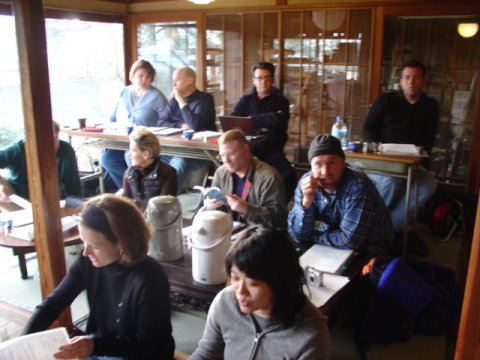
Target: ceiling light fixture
column 201, row 2
column 467, row 30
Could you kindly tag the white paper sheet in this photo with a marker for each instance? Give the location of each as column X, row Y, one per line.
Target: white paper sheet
column 331, row 284
column 21, row 217
column 156, row 129
column 37, row 346
column 399, row 149
column 168, row 131
column 325, row 258
column 205, row 135
column 23, row 203
column 27, row 232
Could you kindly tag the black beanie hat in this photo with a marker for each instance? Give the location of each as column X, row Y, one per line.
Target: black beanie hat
column 325, row 145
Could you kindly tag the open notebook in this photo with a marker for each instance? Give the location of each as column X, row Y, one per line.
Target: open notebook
column 38, row 346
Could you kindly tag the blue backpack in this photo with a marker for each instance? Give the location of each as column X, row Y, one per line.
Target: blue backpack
column 408, row 298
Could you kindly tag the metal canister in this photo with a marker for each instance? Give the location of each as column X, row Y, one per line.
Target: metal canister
column 165, row 215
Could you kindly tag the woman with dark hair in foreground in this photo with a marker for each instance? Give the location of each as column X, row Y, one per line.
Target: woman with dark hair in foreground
column 128, row 291
column 263, row 313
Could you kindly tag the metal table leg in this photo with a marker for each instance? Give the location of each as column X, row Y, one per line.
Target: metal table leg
column 406, row 218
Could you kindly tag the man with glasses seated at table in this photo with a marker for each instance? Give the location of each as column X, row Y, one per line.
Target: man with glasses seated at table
column 270, row 114
column 13, row 158
column 188, row 108
column 254, row 190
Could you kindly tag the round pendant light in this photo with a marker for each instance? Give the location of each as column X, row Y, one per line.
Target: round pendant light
column 467, row 30
column 201, row 2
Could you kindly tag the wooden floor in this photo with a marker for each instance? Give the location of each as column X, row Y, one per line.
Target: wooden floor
column 12, row 320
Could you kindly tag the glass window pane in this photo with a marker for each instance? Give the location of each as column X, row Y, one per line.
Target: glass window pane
column 11, row 125
column 270, row 33
column 252, row 40
column 359, row 37
column 357, row 98
column 214, row 61
column 233, row 57
column 335, row 34
column 452, row 72
column 168, row 46
column 86, row 69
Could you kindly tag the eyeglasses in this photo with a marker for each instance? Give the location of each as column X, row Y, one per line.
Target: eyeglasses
column 260, row 78
column 223, row 157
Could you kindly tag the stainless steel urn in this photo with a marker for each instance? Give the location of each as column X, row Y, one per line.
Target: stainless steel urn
column 164, row 213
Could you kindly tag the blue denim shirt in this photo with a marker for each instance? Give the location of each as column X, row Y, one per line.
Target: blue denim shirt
column 352, row 217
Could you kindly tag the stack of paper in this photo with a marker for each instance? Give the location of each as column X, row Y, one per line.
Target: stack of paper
column 403, row 149
column 205, row 135
column 21, row 217
column 168, row 131
column 325, row 258
column 156, row 129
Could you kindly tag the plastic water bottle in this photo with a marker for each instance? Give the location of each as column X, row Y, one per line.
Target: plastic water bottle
column 340, row 131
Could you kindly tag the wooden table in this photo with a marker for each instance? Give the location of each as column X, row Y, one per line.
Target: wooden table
column 184, row 290
column 22, row 247
column 172, row 145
